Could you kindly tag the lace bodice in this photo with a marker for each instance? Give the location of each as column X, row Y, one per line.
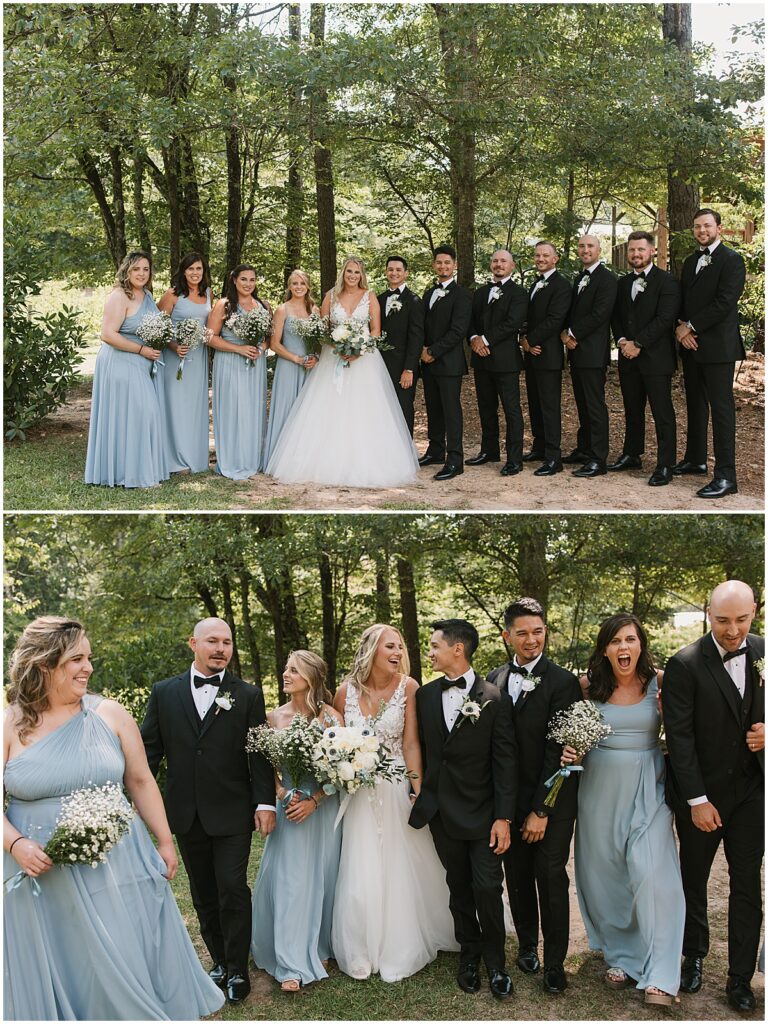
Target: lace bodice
column 388, row 724
column 361, row 314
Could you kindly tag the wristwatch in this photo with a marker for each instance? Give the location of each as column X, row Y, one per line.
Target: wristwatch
column 541, row 814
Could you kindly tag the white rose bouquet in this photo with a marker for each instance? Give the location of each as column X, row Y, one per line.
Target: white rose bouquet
column 251, row 327
column 352, row 339
column 580, row 726
column 155, row 331
column 348, row 758
column 189, row 332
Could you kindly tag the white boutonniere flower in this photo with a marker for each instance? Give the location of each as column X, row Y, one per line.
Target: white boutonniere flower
column 530, row 683
column 760, row 667
column 471, row 709
column 439, row 293
column 494, row 294
column 641, row 284
column 705, row 259
column 583, row 283
column 542, row 285
column 225, row 702
column 395, row 306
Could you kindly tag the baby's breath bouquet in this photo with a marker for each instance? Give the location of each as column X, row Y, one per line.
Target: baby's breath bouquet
column 252, row 327
column 314, row 330
column 189, row 332
column 290, row 749
column 155, row 331
column 91, row 822
column 580, row 726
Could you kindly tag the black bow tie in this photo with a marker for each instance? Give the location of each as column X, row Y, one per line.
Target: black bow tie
column 734, row 654
column 395, row 292
column 705, row 249
column 443, row 287
column 518, row 669
column 446, row 684
column 638, row 277
column 206, row 680
column 539, row 277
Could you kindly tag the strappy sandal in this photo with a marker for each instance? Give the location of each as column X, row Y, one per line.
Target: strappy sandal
column 655, row 997
column 291, row 985
column 616, row 978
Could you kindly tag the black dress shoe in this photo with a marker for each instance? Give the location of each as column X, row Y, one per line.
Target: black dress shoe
column 448, row 472
column 740, row 995
column 481, row 459
column 549, row 468
column 555, row 980
column 500, row 984
column 660, row 476
column 218, row 975
column 534, row 457
column 430, row 460
column 238, row 987
column 685, row 468
column 469, row 978
column 512, row 469
column 576, row 458
column 626, row 462
column 691, row 974
column 718, row 488
column 528, row 960
column 591, row 468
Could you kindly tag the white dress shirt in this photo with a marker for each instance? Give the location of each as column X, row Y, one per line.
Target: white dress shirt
column 515, row 682
column 709, row 249
column 391, row 298
column 204, row 696
column 540, row 284
column 453, row 698
column 636, row 282
column 443, row 285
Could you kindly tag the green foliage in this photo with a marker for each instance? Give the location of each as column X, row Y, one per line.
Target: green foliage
column 752, row 304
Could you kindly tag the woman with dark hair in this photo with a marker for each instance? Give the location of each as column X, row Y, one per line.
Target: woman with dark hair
column 239, row 381
column 125, row 435
column 186, row 370
column 627, row 868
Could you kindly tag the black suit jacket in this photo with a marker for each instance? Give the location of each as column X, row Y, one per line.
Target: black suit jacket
column 539, row 758
column 445, row 330
column 590, row 319
column 649, row 321
column 706, row 724
column 470, row 774
column 710, row 300
column 208, row 771
column 547, row 317
column 500, row 321
column 405, row 332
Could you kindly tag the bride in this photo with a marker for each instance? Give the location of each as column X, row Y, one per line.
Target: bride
column 346, row 426
column 391, row 911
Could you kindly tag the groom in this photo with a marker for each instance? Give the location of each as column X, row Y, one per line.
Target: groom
column 214, row 792
column 468, row 796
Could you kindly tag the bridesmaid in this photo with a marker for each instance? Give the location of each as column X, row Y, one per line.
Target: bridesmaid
column 125, row 436
column 239, row 387
column 293, row 895
column 186, row 400
column 292, row 361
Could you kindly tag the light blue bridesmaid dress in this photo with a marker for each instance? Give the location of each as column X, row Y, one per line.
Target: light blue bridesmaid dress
column 126, row 446
column 186, row 400
column 287, row 383
column 104, row 943
column 294, row 890
column 627, row 867
column 239, row 410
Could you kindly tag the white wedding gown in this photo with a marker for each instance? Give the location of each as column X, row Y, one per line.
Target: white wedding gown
column 391, row 912
column 346, row 426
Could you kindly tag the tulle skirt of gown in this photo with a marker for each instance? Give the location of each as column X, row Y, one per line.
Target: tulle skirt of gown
column 346, row 428
column 391, row 913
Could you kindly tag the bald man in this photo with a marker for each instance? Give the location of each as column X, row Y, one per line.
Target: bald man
column 714, row 712
column 215, row 793
column 498, row 312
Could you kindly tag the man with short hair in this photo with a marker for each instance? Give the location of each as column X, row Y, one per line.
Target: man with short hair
column 541, row 836
column 714, row 717
column 712, row 282
column 402, row 320
column 498, row 313
column 643, row 322
column 215, row 793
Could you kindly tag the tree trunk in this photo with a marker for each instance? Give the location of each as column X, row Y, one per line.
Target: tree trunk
column 410, row 615
column 171, row 164
column 532, row 561
column 294, row 185
column 208, row 600
column 329, row 625
column 91, row 172
column 118, row 200
column 323, row 161
column 248, row 631
column 383, row 603
column 195, row 233
column 569, row 216
column 229, row 616
column 142, row 227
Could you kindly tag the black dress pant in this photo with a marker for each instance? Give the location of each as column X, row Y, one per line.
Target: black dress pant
column 217, row 868
column 490, row 386
column 532, row 867
column 637, row 388
column 589, row 392
column 445, row 419
column 743, row 842
column 709, row 386
column 544, row 389
column 405, row 396
column 475, row 879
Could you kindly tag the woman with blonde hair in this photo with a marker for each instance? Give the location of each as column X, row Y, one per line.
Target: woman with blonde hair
column 394, row 919
column 81, row 942
column 293, row 894
column 346, row 426
column 126, row 443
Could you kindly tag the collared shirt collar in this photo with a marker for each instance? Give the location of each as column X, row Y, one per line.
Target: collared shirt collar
column 722, row 651
column 530, row 666
column 469, row 676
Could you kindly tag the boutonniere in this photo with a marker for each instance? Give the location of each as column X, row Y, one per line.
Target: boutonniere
column 760, row 668
column 225, row 702
column 541, row 285
column 530, row 683
column 494, row 294
column 439, row 293
column 395, row 306
column 584, row 282
column 471, row 709
column 642, row 284
column 705, row 259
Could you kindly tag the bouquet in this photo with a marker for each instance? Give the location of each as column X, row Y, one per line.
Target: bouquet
column 156, row 330
column 290, row 749
column 314, row 331
column 348, row 758
column 580, row 726
column 189, row 332
column 251, row 327
column 351, row 339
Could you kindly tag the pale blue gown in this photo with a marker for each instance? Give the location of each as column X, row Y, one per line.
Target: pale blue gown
column 239, row 410
column 627, row 867
column 104, row 943
column 126, row 446
column 287, row 383
column 186, row 400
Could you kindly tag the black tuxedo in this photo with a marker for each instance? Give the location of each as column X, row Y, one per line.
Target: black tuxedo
column 589, row 321
column 211, row 792
column 497, row 375
column 706, row 721
column 710, row 302
column 547, row 316
column 405, row 332
column 469, row 782
column 445, row 331
column 541, row 866
column 649, row 321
